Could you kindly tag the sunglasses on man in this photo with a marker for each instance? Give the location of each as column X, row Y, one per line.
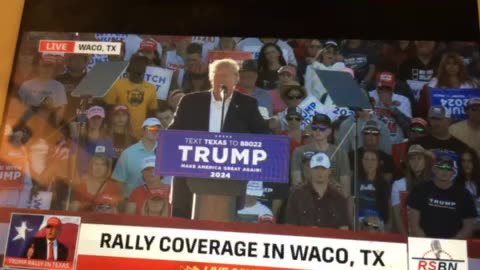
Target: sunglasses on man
column 153, row 128
column 444, row 166
column 319, row 127
column 371, row 132
column 294, row 97
column 294, row 118
column 419, row 130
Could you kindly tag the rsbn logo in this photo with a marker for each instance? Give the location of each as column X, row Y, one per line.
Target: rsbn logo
column 437, row 259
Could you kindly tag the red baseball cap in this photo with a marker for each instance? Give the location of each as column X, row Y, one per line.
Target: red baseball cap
column 54, row 222
column 419, row 121
column 289, row 69
column 386, row 79
column 266, row 219
column 119, row 108
column 108, row 199
column 161, row 193
column 148, row 45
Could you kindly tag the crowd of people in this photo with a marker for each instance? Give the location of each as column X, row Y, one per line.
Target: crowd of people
column 418, row 168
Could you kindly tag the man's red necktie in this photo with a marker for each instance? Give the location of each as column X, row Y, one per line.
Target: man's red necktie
column 51, row 256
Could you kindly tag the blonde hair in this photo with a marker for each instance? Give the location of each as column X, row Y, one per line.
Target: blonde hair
column 220, row 63
column 105, row 159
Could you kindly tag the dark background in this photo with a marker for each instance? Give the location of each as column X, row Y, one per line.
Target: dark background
column 363, row 19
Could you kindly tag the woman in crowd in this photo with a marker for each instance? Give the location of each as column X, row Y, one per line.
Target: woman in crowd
column 286, row 78
column 469, row 176
column 294, row 120
column 93, row 138
column 417, row 169
column 120, row 130
column 469, row 172
column 94, row 184
column 156, row 204
column 292, row 95
column 270, row 61
column 372, row 189
column 452, row 74
column 329, row 58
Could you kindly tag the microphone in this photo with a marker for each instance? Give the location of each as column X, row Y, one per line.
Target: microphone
column 223, row 92
column 436, row 248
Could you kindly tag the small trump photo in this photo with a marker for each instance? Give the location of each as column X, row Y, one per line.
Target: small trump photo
column 41, row 242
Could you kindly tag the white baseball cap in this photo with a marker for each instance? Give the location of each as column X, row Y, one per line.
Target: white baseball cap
column 149, row 162
column 320, row 160
column 152, row 121
column 255, row 188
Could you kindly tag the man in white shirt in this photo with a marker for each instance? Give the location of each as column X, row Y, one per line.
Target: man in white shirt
column 252, row 206
column 392, row 109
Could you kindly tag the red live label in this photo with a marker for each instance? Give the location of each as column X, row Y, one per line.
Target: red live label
column 56, row 46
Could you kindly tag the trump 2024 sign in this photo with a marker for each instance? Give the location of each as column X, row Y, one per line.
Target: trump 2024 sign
column 232, row 156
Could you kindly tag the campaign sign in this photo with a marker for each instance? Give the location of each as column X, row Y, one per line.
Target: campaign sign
column 311, row 106
column 454, row 100
column 232, row 156
column 235, row 55
column 161, row 78
column 11, row 177
column 29, row 237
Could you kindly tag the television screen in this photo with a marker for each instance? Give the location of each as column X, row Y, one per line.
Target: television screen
column 232, row 126
column 85, row 110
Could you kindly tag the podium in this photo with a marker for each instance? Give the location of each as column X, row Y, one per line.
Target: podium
column 214, row 199
column 212, row 170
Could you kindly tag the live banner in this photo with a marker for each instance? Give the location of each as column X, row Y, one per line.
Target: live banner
column 142, row 248
column 454, row 100
column 234, row 156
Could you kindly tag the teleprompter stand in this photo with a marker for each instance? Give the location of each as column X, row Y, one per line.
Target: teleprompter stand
column 346, row 92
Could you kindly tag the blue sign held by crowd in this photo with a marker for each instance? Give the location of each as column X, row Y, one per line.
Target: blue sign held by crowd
column 454, row 100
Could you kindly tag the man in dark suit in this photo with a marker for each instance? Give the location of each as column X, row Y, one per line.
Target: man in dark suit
column 48, row 248
column 202, row 111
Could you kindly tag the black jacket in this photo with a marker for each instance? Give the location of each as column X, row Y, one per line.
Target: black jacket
column 193, row 113
column 41, row 250
column 242, row 116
